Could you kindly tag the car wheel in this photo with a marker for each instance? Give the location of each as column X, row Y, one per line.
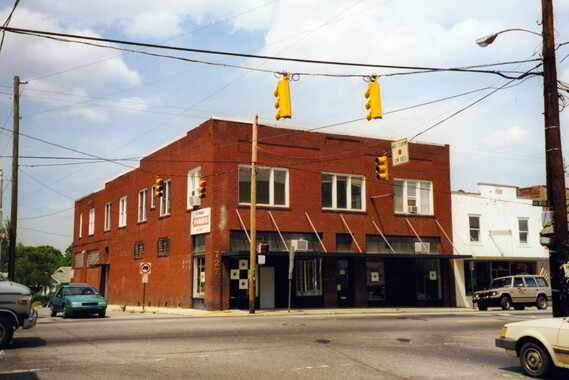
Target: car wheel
column 53, row 312
column 102, row 313
column 6, row 332
column 541, row 303
column 64, row 312
column 535, row 360
column 482, row 307
column 505, row 303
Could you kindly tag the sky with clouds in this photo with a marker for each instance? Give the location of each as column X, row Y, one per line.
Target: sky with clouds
column 83, row 101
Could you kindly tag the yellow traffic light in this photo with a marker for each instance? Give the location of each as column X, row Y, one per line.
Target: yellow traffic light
column 202, row 188
column 374, row 102
column 382, row 168
column 282, row 93
column 158, row 187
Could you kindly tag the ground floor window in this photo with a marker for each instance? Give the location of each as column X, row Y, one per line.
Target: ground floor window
column 199, row 277
column 375, row 280
column 308, row 277
column 479, row 274
column 428, row 279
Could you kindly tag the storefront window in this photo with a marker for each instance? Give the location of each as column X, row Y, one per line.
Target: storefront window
column 308, row 277
column 428, row 275
column 375, row 275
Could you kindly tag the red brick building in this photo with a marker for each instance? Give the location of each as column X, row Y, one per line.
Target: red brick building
column 368, row 242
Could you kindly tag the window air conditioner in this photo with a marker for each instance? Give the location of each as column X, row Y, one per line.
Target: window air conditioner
column 299, row 245
column 195, row 201
column 412, row 209
column 422, row 247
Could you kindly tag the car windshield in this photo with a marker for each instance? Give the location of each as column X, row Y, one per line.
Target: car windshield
column 77, row 291
column 501, row 283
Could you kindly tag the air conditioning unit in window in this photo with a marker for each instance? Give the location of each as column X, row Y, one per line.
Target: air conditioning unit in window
column 195, row 201
column 299, row 245
column 422, row 247
column 412, row 209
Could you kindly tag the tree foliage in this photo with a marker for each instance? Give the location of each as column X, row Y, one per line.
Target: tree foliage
column 34, row 265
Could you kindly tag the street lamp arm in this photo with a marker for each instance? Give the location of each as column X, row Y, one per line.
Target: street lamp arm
column 485, row 41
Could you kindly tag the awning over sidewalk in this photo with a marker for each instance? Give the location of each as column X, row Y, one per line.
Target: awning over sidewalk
column 347, row 255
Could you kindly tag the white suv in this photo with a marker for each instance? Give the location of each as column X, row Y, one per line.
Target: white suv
column 518, row 291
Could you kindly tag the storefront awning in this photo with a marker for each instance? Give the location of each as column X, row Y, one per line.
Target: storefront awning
column 347, row 255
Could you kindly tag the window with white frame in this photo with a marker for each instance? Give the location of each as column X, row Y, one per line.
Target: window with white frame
column 91, row 221
column 523, row 225
column 142, row 199
column 413, row 197
column 80, row 226
column 122, row 212
column 308, row 277
column 165, row 199
column 474, row 227
column 153, row 197
column 194, row 177
column 343, row 191
column 272, row 186
column 108, row 216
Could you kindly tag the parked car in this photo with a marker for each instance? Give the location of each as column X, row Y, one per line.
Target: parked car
column 77, row 299
column 540, row 344
column 15, row 310
column 518, row 291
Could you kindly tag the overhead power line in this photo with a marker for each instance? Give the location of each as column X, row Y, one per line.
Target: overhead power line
column 421, row 69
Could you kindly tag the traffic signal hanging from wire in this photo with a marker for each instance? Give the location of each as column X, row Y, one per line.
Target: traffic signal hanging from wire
column 282, row 93
column 374, row 100
column 201, row 190
column 158, row 187
column 382, row 168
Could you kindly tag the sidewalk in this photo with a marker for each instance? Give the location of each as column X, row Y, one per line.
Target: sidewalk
column 267, row 312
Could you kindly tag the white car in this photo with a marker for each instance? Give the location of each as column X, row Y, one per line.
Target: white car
column 540, row 344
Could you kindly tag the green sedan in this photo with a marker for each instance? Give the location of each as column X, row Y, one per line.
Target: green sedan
column 78, row 299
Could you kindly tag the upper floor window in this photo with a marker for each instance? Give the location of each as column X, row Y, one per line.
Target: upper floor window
column 413, row 197
column 165, row 198
column 122, row 212
column 108, row 216
column 92, row 221
column 80, row 226
column 341, row 191
column 272, row 186
column 153, row 197
column 142, row 200
column 474, row 227
column 524, row 230
column 194, row 177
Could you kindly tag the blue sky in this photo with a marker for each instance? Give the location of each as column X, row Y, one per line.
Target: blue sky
column 121, row 105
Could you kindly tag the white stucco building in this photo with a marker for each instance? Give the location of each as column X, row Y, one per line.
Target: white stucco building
column 500, row 231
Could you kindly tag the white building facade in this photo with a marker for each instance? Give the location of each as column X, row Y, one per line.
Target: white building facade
column 501, row 233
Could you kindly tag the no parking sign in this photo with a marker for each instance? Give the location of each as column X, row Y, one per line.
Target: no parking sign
column 145, row 268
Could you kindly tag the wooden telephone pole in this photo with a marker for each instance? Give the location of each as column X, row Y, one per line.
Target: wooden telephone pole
column 555, row 171
column 15, row 164
column 253, row 247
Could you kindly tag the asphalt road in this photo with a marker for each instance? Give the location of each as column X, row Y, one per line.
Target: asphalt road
column 362, row 346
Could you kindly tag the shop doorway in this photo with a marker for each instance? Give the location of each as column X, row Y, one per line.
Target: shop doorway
column 343, row 283
column 267, row 287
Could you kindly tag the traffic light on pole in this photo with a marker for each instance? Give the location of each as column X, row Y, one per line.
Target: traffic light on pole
column 202, row 188
column 381, row 168
column 374, row 101
column 283, row 99
column 158, row 187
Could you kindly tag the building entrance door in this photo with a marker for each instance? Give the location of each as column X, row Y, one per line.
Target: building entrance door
column 343, row 283
column 267, row 287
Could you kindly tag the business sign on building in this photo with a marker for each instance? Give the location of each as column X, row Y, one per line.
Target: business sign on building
column 201, row 221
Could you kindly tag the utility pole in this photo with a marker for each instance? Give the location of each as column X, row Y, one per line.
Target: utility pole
column 14, row 205
column 253, row 248
column 555, row 171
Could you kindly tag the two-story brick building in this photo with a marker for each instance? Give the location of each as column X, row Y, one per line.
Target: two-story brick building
column 369, row 242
